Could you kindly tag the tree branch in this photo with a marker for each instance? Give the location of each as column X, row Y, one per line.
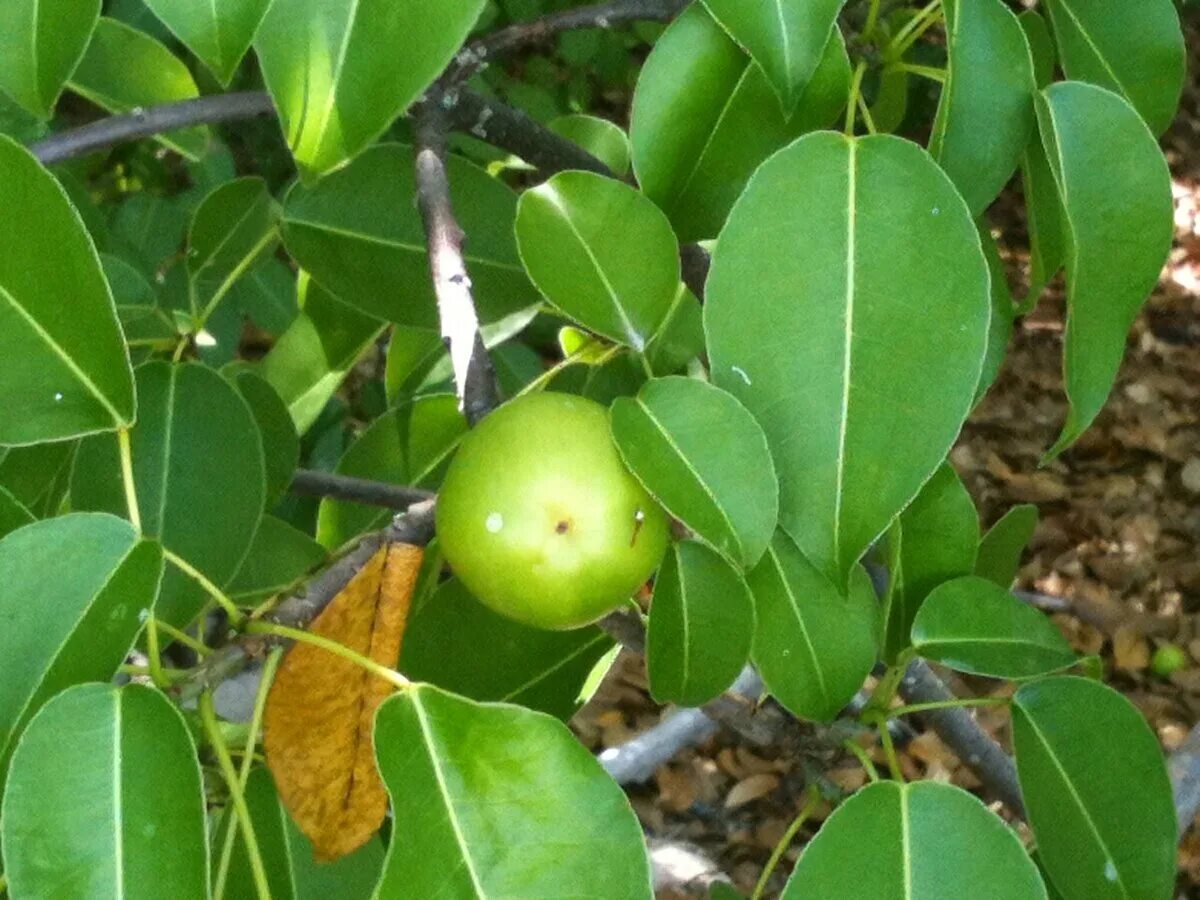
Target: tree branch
column 308, row 483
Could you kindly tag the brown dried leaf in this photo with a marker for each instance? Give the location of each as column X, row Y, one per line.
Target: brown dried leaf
column 321, row 709
column 1131, row 651
column 750, row 789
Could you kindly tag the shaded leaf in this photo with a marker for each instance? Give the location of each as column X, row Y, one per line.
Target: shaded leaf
column 281, row 444
column 851, row 376
column 1001, row 548
column 279, row 556
column 267, row 295
column 321, row 707
column 599, row 137
column 1003, row 314
column 43, row 41
column 412, row 355
column 12, row 514
column 37, row 476
column 219, row 32
column 681, row 337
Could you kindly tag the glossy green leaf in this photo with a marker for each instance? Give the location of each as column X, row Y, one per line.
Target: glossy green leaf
column 472, row 783
column 1003, row 314
column 287, row 855
column 410, row 445
column 1001, row 548
column 332, row 68
column 68, row 369
column 701, row 626
column 939, row 537
column 458, row 644
column 986, row 112
column 279, row 556
column 198, row 471
column 601, row 252
column 105, row 800
column 232, row 229
column 785, row 37
column 218, row 32
column 360, row 235
column 1116, row 192
column 1136, row 50
column 599, row 137
column 126, row 69
column 849, row 374
column 1096, row 790
column 311, row 359
column 12, row 514
column 705, row 459
column 924, row 841
column 813, row 644
column 704, row 117
column 41, row 42
column 281, row 444
column 104, row 581
column 37, row 475
column 973, row 625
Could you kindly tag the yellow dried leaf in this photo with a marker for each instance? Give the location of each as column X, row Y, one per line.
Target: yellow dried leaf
column 321, row 709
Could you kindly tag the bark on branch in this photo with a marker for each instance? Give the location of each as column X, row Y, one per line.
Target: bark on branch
column 308, row 483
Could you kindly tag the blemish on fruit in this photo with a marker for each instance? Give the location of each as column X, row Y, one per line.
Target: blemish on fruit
column 494, row 523
column 639, row 518
column 562, row 527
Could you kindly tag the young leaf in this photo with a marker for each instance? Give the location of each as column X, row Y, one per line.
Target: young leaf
column 927, row 840
column 973, row 625
column 986, row 112
column 76, row 588
column 12, row 514
column 219, row 32
column 198, row 473
column 117, row 816
column 1096, row 790
column 126, row 69
column 359, row 233
column 785, row 37
column 321, row 707
column 458, row 644
column 600, row 137
column 601, row 252
column 939, row 540
column 860, row 399
column 410, row 445
column 705, row 459
column 43, row 41
column 704, row 117
column 280, row 555
column 701, row 626
column 340, row 71
column 1116, row 191
column 813, row 645
column 488, row 800
column 1137, row 51
column 1001, row 548
column 68, row 371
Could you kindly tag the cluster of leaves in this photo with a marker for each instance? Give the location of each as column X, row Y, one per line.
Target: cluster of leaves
column 797, row 423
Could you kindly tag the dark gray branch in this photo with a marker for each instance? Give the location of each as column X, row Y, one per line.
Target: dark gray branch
column 308, row 483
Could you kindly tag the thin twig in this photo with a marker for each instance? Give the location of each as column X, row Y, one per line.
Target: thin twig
column 356, row 490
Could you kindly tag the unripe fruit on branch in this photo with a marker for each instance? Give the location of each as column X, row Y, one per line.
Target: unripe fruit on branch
column 540, row 519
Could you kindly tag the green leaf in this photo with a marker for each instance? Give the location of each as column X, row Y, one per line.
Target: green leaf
column 973, row 625
column 471, row 782
column 148, row 230
column 1135, row 50
column 198, row 473
column 287, row 855
column 601, row 252
column 813, row 645
column 681, row 337
column 1116, row 192
column 232, row 229
column 986, row 112
column 785, row 37
column 410, row 445
column 37, row 475
column 218, row 32
column 12, row 514
column 77, row 589
column 105, row 800
column 412, row 354
column 924, row 841
column 704, row 117
column 1096, row 790
column 705, row 459
column 125, row 69
column 332, row 68
column 1003, row 313
column 279, row 557
column 281, row 444
column 701, row 626
column 860, row 399
column 939, row 540
column 43, row 41
column 359, row 233
column 599, row 137
column 458, row 644
column 1001, row 548
column 267, row 295
column 68, row 370
column 311, row 359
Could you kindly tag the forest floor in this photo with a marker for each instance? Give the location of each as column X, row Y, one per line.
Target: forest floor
column 1117, row 540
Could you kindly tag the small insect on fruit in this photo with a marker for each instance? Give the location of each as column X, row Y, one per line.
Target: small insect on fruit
column 540, row 519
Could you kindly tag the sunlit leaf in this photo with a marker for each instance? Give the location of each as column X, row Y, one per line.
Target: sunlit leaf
column 218, row 32
column 41, row 42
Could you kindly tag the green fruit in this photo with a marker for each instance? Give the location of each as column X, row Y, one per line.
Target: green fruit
column 1168, row 659
column 540, row 519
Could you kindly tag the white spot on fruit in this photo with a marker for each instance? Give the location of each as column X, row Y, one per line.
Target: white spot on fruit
column 494, row 523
